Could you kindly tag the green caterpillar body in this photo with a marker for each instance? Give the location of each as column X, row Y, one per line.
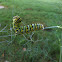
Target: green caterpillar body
column 24, row 29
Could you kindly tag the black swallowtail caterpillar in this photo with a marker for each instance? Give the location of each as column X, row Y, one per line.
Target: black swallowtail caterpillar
column 24, row 29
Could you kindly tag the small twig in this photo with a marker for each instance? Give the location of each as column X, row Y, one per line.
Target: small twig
column 31, row 36
column 52, row 27
column 60, row 54
column 11, row 32
column 3, row 41
column 4, row 28
column 6, row 35
column 3, row 31
column 26, row 38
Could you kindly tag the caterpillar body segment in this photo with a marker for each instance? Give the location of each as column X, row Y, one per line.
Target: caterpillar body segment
column 16, row 22
column 25, row 29
column 28, row 28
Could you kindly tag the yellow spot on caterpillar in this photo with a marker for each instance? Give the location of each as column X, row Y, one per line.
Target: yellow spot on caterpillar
column 32, row 28
column 36, row 27
column 40, row 26
column 27, row 30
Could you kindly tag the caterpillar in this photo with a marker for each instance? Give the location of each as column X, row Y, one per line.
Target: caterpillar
column 25, row 29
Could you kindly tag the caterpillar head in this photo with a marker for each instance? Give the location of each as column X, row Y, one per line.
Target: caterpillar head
column 17, row 19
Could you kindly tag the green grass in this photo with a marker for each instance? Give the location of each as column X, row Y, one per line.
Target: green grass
column 47, row 12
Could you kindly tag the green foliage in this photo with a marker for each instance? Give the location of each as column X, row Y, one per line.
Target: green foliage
column 47, row 12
